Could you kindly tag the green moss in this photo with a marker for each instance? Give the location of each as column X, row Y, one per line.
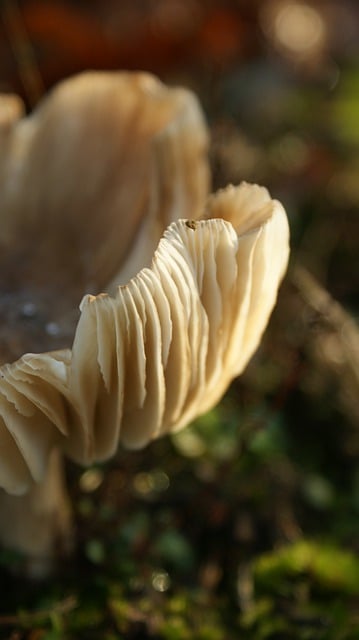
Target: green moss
column 327, row 566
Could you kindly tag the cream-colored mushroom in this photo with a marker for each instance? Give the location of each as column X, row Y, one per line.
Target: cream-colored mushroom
column 88, row 182
column 164, row 349
column 156, row 352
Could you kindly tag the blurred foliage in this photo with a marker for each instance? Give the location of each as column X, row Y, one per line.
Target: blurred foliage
column 244, row 525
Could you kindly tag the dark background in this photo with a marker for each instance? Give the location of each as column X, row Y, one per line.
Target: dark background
column 246, row 524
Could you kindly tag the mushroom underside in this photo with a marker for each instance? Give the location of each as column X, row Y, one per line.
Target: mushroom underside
column 161, row 351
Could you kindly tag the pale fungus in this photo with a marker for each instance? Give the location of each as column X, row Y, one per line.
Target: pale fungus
column 148, row 356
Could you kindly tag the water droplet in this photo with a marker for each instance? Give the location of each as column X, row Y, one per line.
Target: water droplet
column 52, row 329
column 29, row 309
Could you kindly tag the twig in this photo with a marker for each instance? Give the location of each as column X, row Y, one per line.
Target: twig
column 332, row 313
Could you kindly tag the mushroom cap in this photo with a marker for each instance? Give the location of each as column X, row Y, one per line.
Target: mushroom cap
column 158, row 353
column 89, row 181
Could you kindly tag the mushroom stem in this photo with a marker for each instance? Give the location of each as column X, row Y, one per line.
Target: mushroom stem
column 39, row 524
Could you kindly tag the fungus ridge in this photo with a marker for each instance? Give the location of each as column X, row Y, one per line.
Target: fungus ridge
column 157, row 354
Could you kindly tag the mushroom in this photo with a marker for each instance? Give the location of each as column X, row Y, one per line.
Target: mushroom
column 89, row 181
column 150, row 355
column 166, row 346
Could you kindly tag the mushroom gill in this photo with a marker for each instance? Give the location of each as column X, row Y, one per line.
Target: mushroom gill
column 159, row 352
column 89, row 183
